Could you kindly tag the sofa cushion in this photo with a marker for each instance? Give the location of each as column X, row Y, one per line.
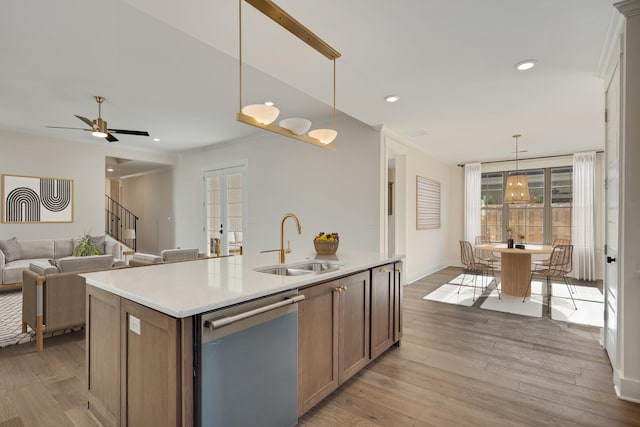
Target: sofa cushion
column 31, row 249
column 62, row 248
column 42, row 268
column 12, row 272
column 99, row 242
column 143, row 258
column 11, row 249
column 179, row 254
column 85, row 263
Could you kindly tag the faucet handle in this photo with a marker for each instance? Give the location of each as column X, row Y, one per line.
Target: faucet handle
column 288, row 250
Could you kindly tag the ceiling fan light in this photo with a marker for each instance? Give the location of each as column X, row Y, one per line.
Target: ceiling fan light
column 325, row 136
column 263, row 114
column 296, row 125
column 99, row 134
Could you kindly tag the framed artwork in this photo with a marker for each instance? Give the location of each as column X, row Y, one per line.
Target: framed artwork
column 34, row 200
column 427, row 203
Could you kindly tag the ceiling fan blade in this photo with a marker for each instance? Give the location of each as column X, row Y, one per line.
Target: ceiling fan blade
column 84, row 119
column 111, row 138
column 64, row 127
column 130, row 132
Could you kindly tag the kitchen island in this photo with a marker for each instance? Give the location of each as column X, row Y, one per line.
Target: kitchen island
column 145, row 324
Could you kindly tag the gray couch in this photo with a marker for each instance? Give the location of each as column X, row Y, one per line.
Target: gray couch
column 167, row 255
column 22, row 253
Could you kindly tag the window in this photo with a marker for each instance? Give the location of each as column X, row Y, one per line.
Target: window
column 492, row 191
column 545, row 218
column 561, row 201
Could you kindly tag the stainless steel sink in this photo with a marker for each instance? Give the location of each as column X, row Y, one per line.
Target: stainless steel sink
column 284, row 271
column 317, row 266
column 301, row 268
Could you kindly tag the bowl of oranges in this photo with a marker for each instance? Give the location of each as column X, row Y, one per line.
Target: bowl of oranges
column 326, row 243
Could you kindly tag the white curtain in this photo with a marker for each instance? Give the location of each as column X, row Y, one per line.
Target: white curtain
column 472, row 201
column 582, row 218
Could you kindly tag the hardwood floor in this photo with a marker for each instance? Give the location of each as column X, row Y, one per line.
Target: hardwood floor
column 456, row 366
column 467, row 366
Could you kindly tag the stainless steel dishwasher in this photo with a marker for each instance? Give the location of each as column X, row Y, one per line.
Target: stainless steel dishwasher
column 246, row 364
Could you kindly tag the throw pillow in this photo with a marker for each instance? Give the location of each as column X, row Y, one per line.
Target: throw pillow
column 99, row 242
column 11, row 249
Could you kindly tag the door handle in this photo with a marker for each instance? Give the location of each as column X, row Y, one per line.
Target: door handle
column 610, row 260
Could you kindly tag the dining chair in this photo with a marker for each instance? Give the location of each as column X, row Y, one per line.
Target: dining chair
column 560, row 265
column 472, row 266
column 545, row 262
column 486, row 255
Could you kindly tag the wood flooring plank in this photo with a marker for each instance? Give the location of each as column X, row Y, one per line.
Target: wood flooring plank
column 455, row 366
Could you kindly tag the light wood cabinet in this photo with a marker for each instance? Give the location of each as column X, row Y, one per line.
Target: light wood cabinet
column 140, row 372
column 333, row 336
column 382, row 309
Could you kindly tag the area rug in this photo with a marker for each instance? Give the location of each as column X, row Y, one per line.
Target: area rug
column 11, row 320
column 585, row 293
column 532, row 306
column 448, row 293
column 589, row 300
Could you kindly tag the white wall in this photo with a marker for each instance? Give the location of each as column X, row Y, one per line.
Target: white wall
column 84, row 163
column 331, row 191
column 150, row 197
column 430, row 250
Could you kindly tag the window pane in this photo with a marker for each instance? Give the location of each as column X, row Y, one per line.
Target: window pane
column 492, row 192
column 561, row 202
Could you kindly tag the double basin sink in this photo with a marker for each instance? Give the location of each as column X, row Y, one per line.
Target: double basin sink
column 301, row 268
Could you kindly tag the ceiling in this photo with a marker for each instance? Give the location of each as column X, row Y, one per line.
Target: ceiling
column 171, row 68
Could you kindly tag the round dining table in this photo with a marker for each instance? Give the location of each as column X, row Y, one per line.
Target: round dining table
column 516, row 266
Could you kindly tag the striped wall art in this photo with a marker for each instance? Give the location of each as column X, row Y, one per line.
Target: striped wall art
column 31, row 199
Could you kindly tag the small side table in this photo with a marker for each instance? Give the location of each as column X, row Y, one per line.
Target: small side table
column 126, row 255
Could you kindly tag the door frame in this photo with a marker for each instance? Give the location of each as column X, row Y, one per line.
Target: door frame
column 239, row 164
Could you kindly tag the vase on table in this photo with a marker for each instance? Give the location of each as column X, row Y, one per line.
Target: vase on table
column 510, row 241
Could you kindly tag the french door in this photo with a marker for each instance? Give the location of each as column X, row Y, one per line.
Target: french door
column 612, row 191
column 225, row 205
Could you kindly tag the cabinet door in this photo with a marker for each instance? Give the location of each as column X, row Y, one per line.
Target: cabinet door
column 151, row 384
column 103, row 355
column 317, row 344
column 353, row 333
column 382, row 309
column 397, row 302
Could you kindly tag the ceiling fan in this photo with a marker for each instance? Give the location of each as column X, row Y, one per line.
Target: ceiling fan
column 99, row 127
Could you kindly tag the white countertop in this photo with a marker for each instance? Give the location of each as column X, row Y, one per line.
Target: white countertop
column 187, row 288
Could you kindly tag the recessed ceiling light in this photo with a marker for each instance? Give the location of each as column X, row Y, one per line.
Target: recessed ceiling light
column 156, row 139
column 110, row 169
column 269, row 103
column 527, row 64
column 391, row 98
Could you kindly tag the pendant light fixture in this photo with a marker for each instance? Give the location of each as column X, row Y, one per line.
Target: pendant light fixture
column 263, row 116
column 517, row 189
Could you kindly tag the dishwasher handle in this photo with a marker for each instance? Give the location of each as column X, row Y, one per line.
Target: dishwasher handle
column 224, row 321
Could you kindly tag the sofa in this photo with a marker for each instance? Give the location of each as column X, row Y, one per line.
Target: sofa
column 167, row 255
column 16, row 255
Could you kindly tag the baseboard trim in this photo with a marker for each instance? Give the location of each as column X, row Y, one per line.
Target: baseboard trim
column 424, row 273
column 626, row 388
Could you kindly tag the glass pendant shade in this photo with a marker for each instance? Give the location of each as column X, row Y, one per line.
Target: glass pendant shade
column 264, row 114
column 296, row 125
column 517, row 190
column 326, row 136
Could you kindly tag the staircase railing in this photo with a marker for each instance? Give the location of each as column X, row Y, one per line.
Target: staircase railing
column 120, row 222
